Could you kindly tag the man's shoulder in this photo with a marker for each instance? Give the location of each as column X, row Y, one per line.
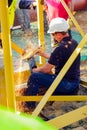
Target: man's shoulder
column 74, row 41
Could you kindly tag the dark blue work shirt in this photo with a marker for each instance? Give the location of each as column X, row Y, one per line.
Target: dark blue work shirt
column 61, row 54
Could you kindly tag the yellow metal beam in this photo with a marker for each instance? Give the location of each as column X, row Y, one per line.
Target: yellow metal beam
column 15, row 47
column 52, row 98
column 3, row 96
column 60, row 76
column 72, row 18
column 69, row 118
column 11, row 11
column 83, row 82
column 9, row 74
column 40, row 28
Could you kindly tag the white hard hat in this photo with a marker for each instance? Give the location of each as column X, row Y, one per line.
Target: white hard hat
column 58, row 25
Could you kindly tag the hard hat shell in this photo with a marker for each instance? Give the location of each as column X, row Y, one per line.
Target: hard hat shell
column 58, row 25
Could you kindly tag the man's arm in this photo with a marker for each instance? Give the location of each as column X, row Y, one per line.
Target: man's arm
column 43, row 54
column 47, row 68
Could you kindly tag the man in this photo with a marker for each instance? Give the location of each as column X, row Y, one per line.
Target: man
column 41, row 76
column 22, row 12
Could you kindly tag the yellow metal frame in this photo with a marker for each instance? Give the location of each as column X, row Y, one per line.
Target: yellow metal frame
column 72, row 18
column 40, row 28
column 9, row 80
column 52, row 98
column 69, row 118
column 15, row 47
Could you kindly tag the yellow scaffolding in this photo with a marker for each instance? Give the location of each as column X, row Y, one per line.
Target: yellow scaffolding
column 9, row 80
column 40, row 28
column 69, row 118
column 72, row 18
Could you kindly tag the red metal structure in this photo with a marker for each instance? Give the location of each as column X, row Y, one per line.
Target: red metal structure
column 79, row 4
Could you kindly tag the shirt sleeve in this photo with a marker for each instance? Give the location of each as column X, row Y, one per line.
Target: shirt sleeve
column 56, row 57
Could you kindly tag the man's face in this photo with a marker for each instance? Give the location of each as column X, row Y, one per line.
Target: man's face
column 57, row 36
